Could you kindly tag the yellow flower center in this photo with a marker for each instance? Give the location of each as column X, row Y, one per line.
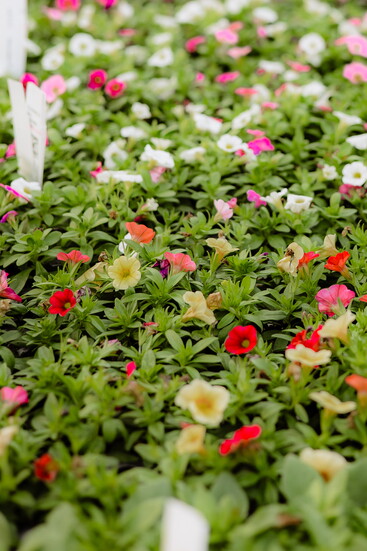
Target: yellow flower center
column 245, row 343
column 205, row 404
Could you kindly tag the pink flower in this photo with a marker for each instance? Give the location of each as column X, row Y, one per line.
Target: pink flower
column 258, row 133
column 130, row 368
column 73, row 257
column 355, row 72
column 9, row 214
column 356, row 44
column 180, row 262
column 16, row 396
column 224, row 211
column 227, row 77
column 28, row 77
column 254, row 197
column 192, row 44
column 261, row 32
column 97, row 170
column 236, row 26
column 246, row 91
column 270, row 105
column 115, row 88
column 329, row 299
column 156, row 173
column 199, row 77
column 68, row 5
column 227, row 36
column 261, row 144
column 347, row 190
column 107, row 4
column 238, row 52
column 52, row 13
column 97, row 79
column 298, row 67
column 53, row 87
column 14, row 192
column 232, row 203
column 5, row 290
column 10, row 152
column 127, row 32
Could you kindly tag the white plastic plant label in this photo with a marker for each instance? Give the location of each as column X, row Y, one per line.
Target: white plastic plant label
column 13, row 37
column 36, row 108
column 183, row 528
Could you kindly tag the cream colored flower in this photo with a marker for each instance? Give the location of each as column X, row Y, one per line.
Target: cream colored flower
column 214, row 300
column 6, row 436
column 93, row 274
column 198, row 307
column 307, row 357
column 124, row 272
column 289, row 263
column 191, row 439
column 325, row 462
column 338, row 328
column 205, row 402
column 328, row 248
column 221, row 245
column 332, row 403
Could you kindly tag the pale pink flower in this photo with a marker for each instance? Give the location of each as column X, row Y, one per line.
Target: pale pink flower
column 261, row 32
column 52, row 13
column 5, row 290
column 246, row 91
column 348, row 190
column 127, row 32
column 227, row 36
column 258, row 133
column 180, row 262
column 16, row 396
column 232, row 203
column 224, row 211
column 53, row 87
column 298, row 67
column 356, row 44
column 192, row 44
column 270, row 105
column 261, row 144
column 355, row 72
column 255, row 198
column 238, row 52
column 199, row 77
column 227, row 77
column 156, row 173
column 329, row 299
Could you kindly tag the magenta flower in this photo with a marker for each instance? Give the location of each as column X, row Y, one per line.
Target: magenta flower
column 180, row 262
column 9, row 214
column 53, row 87
column 68, row 5
column 130, row 368
column 227, row 36
column 329, row 299
column 115, row 88
column 255, row 198
column 97, row 170
column 97, row 79
column 261, row 144
column 5, row 290
column 355, row 72
column 227, row 77
column 16, row 396
column 192, row 44
column 28, row 77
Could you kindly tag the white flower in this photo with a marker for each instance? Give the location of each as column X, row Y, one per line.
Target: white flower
column 54, row 109
column 359, row 141
column 157, row 158
column 6, row 436
column 25, row 188
column 137, row 53
column 86, row 16
column 125, row 10
column 263, row 94
column 194, row 108
column 192, row 155
column 141, row 110
column 117, row 176
column 290, row 75
column 275, row 67
column 229, row 143
column 162, row 58
column 316, row 7
column 72, row 83
column 108, row 47
column 133, row 132
column 129, row 76
column 326, row 462
column 236, row 6
column 207, row 124
column 205, row 402
column 114, row 154
column 314, row 89
column 75, row 130
column 32, row 47
column 219, row 25
column 347, row 120
column 244, row 118
column 346, row 28
column 52, row 60
column 312, row 44
column 161, row 143
column 191, row 12
column 82, row 45
column 329, row 172
column 248, row 155
column 275, row 197
column 298, row 203
column 151, row 205
column 163, row 88
column 275, row 28
column 165, row 21
column 355, row 174
column 265, row 15
column 161, row 39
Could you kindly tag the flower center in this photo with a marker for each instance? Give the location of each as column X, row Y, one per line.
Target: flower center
column 204, row 404
column 67, row 305
column 357, row 175
column 245, row 343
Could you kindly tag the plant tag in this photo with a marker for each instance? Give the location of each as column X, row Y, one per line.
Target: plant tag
column 36, row 107
column 183, row 528
column 13, row 37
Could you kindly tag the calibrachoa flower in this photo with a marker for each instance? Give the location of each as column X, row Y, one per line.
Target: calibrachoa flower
column 338, row 328
column 331, row 298
column 115, row 88
column 53, row 87
column 241, row 438
column 125, row 272
column 14, row 396
column 73, row 257
column 28, row 77
column 355, row 72
column 255, row 198
column 241, row 339
column 198, row 308
column 5, row 290
column 307, row 357
column 328, row 248
column 221, row 245
column 139, row 233
column 62, row 302
column 359, row 383
column 289, row 263
column 191, row 439
column 130, row 368
column 6, row 436
column 97, row 79
column 331, row 403
column 46, row 468
column 64, row 5
column 338, row 262
column 205, row 402
column 309, row 339
column 306, row 258
column 327, row 463
column 355, row 174
column 224, row 211
column 180, row 262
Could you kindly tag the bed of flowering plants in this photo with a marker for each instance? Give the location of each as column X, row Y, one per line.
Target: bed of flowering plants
column 183, row 300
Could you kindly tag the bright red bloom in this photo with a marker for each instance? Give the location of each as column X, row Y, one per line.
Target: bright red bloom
column 302, row 337
column 241, row 339
column 306, row 258
column 46, row 468
column 358, row 382
column 337, row 263
column 73, row 257
column 130, row 368
column 5, row 290
column 115, row 88
column 97, row 79
column 240, row 438
column 62, row 302
column 363, row 298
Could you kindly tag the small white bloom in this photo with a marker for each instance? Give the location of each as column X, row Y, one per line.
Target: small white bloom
column 316, row 7
column 290, row 75
column 75, row 130
column 141, row 110
column 248, row 155
column 133, row 132
column 72, row 83
column 117, row 176
column 244, row 118
column 191, row 12
column 163, row 88
column 236, row 6
column 275, row 28
column 355, row 174
column 151, row 205
column 329, row 172
column 157, row 158
column 229, row 143
column 108, row 47
column 114, row 154
column 207, row 124
column 312, row 44
column 82, row 45
column 298, row 203
column 85, row 18
column 219, row 25
column 263, row 94
column 162, row 58
column 314, row 89
column 125, row 10
column 32, row 47
column 25, row 188
column 165, row 21
column 194, row 108
column 359, row 141
column 52, row 60
column 265, row 15
column 54, row 109
column 161, row 143
column 129, row 76
column 192, row 155
column 347, row 120
column 275, row 67
column 137, row 53
column 275, row 197
column 161, row 39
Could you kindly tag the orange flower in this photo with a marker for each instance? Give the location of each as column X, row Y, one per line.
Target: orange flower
column 306, row 258
column 358, row 382
column 337, row 263
column 139, row 232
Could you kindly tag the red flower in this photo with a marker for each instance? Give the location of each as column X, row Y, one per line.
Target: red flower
column 62, row 302
column 337, row 263
column 309, row 342
column 306, row 258
column 46, row 468
column 363, row 298
column 73, row 257
column 241, row 339
column 130, row 368
column 139, row 233
column 240, row 438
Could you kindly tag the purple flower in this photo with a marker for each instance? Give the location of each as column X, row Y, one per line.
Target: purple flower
column 163, row 266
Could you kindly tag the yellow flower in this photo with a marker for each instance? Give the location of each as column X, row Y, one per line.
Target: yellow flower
column 338, row 328
column 124, row 272
column 307, row 357
column 214, row 301
column 326, row 462
column 191, row 440
column 93, row 274
column 289, row 263
column 328, row 248
column 332, row 403
column 198, row 307
column 205, row 402
column 221, row 245
column 6, row 436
